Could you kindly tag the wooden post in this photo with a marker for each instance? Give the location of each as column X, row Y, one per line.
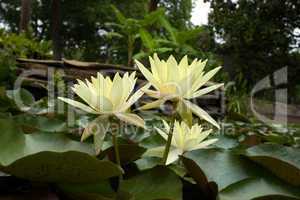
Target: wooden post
column 153, row 5
column 56, row 25
column 25, row 15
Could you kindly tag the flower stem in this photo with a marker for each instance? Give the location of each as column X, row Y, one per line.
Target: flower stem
column 169, row 141
column 116, row 151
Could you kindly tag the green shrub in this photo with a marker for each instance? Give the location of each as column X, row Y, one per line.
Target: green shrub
column 14, row 46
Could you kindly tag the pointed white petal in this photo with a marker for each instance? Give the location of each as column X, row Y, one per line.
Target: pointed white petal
column 104, row 104
column 84, row 92
column 184, row 62
column 203, row 135
column 135, row 97
column 97, row 126
column 116, row 90
column 172, row 67
column 152, row 93
column 205, row 91
column 204, row 144
column 185, row 113
column 201, row 113
column 154, row 104
column 131, row 119
column 173, row 155
column 79, row 105
column 166, row 125
column 197, row 138
column 202, row 80
column 162, row 133
column 148, row 75
column 155, row 152
column 154, row 68
column 177, row 139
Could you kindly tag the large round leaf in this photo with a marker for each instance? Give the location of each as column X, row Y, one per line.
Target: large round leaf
column 128, row 153
column 31, row 123
column 259, row 188
column 50, row 157
column 220, row 166
column 147, row 162
column 156, row 183
column 225, row 142
column 281, row 160
column 97, row 191
column 237, row 177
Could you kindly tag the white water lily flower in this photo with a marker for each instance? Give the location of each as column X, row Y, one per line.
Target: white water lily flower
column 178, row 81
column 184, row 139
column 109, row 97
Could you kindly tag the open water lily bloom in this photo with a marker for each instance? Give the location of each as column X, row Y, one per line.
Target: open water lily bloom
column 178, row 81
column 104, row 96
column 184, row 139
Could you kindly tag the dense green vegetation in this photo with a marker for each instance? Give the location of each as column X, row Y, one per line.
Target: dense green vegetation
column 259, row 37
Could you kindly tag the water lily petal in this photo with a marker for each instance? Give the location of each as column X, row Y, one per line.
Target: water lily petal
column 203, row 135
column 131, row 119
column 195, row 140
column 98, row 127
column 201, row 113
column 135, row 97
column 166, row 126
column 104, row 104
column 204, row 91
column 173, row 155
column 202, row 80
column 152, row 93
column 116, row 90
column 153, row 68
column 184, row 62
column 148, row 75
column 204, row 144
column 185, row 113
column 155, row 152
column 83, row 91
column 165, row 133
column 172, row 69
column 79, row 105
column 162, row 133
column 154, row 104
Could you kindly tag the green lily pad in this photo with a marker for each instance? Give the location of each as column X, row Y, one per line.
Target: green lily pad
column 221, row 166
column 260, row 188
column 97, row 191
column 147, row 162
column 50, row 157
column 128, row 152
column 156, row 183
column 40, row 123
column 225, row 142
column 281, row 160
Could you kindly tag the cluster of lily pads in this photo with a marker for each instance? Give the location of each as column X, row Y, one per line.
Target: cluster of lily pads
column 172, row 155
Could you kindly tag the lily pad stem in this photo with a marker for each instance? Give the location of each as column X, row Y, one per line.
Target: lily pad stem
column 169, row 141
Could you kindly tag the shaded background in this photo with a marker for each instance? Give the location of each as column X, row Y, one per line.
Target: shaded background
column 250, row 38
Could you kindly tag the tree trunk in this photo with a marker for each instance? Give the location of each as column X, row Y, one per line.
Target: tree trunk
column 25, row 15
column 56, row 25
column 153, row 4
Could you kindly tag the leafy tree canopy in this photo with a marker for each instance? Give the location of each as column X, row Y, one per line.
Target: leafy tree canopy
column 83, row 21
column 257, row 37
